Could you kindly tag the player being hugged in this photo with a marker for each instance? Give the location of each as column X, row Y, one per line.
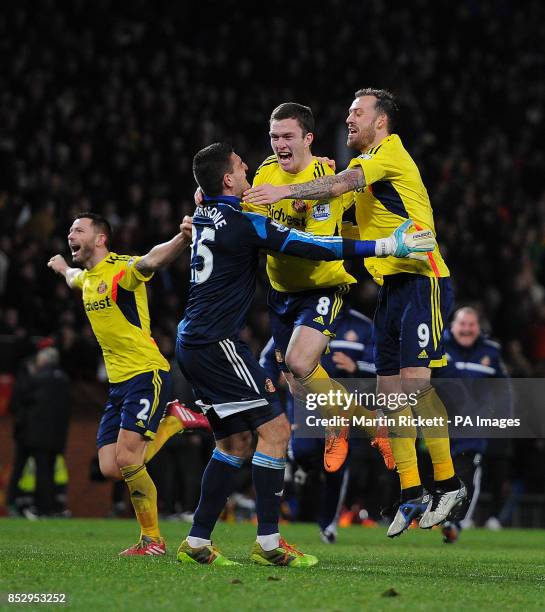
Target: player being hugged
column 306, row 297
column 231, row 387
column 414, row 301
column 132, row 429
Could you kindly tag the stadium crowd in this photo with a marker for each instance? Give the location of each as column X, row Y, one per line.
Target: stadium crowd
column 102, row 108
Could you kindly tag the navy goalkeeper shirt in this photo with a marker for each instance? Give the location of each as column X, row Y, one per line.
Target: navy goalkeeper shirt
column 224, row 263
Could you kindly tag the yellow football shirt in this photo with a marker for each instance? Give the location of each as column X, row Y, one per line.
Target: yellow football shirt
column 394, row 192
column 320, row 217
column 116, row 303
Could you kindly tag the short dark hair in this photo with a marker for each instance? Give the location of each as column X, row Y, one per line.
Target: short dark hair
column 210, row 165
column 291, row 110
column 386, row 103
column 100, row 223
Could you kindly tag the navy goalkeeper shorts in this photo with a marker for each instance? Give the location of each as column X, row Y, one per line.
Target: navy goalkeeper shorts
column 230, row 386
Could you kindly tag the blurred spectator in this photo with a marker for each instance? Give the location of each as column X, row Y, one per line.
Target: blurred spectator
column 471, row 355
column 40, row 405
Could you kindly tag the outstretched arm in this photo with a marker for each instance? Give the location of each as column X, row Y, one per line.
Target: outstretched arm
column 323, row 187
column 163, row 254
column 272, row 236
column 58, row 264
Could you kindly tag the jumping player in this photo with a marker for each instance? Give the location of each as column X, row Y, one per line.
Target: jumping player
column 306, row 297
column 115, row 301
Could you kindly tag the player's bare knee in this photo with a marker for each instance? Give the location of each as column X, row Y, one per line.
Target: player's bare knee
column 239, row 445
column 121, row 461
column 110, row 470
column 298, row 364
column 280, row 437
column 114, row 474
column 130, row 448
column 107, row 462
column 414, row 380
column 389, row 384
column 276, row 432
column 125, row 456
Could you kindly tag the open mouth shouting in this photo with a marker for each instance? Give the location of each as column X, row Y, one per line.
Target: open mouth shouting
column 74, row 249
column 352, row 131
column 284, row 158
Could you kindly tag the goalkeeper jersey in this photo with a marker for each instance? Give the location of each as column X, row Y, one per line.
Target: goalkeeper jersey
column 319, row 217
column 394, row 192
column 225, row 262
column 116, row 303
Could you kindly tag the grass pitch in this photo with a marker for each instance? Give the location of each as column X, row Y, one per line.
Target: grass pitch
column 503, row 570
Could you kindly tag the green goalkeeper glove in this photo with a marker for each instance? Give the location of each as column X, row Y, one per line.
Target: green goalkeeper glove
column 401, row 244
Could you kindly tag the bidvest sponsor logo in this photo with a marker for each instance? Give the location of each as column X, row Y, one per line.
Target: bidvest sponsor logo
column 98, row 304
column 280, row 216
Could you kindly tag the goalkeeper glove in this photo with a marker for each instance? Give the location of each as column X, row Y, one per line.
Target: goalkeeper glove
column 401, row 244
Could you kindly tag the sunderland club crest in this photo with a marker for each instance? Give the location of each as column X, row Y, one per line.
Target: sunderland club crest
column 102, row 288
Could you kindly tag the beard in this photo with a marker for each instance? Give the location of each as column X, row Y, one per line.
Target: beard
column 82, row 255
column 364, row 139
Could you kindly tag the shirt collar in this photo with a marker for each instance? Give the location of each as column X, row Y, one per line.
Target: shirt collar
column 375, row 148
column 101, row 264
column 223, row 199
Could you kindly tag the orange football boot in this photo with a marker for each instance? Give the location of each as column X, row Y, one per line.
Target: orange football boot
column 336, row 448
column 382, row 443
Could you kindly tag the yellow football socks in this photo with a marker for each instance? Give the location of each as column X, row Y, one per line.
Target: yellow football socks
column 318, row 381
column 402, row 441
column 143, row 498
column 429, row 405
column 168, row 426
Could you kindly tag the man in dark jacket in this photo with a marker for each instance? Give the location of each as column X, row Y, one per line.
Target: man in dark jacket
column 41, row 410
column 472, row 355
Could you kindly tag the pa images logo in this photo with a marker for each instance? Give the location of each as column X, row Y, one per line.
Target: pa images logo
column 321, row 211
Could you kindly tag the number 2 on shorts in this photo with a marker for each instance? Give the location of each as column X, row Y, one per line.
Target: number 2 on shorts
column 143, row 414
